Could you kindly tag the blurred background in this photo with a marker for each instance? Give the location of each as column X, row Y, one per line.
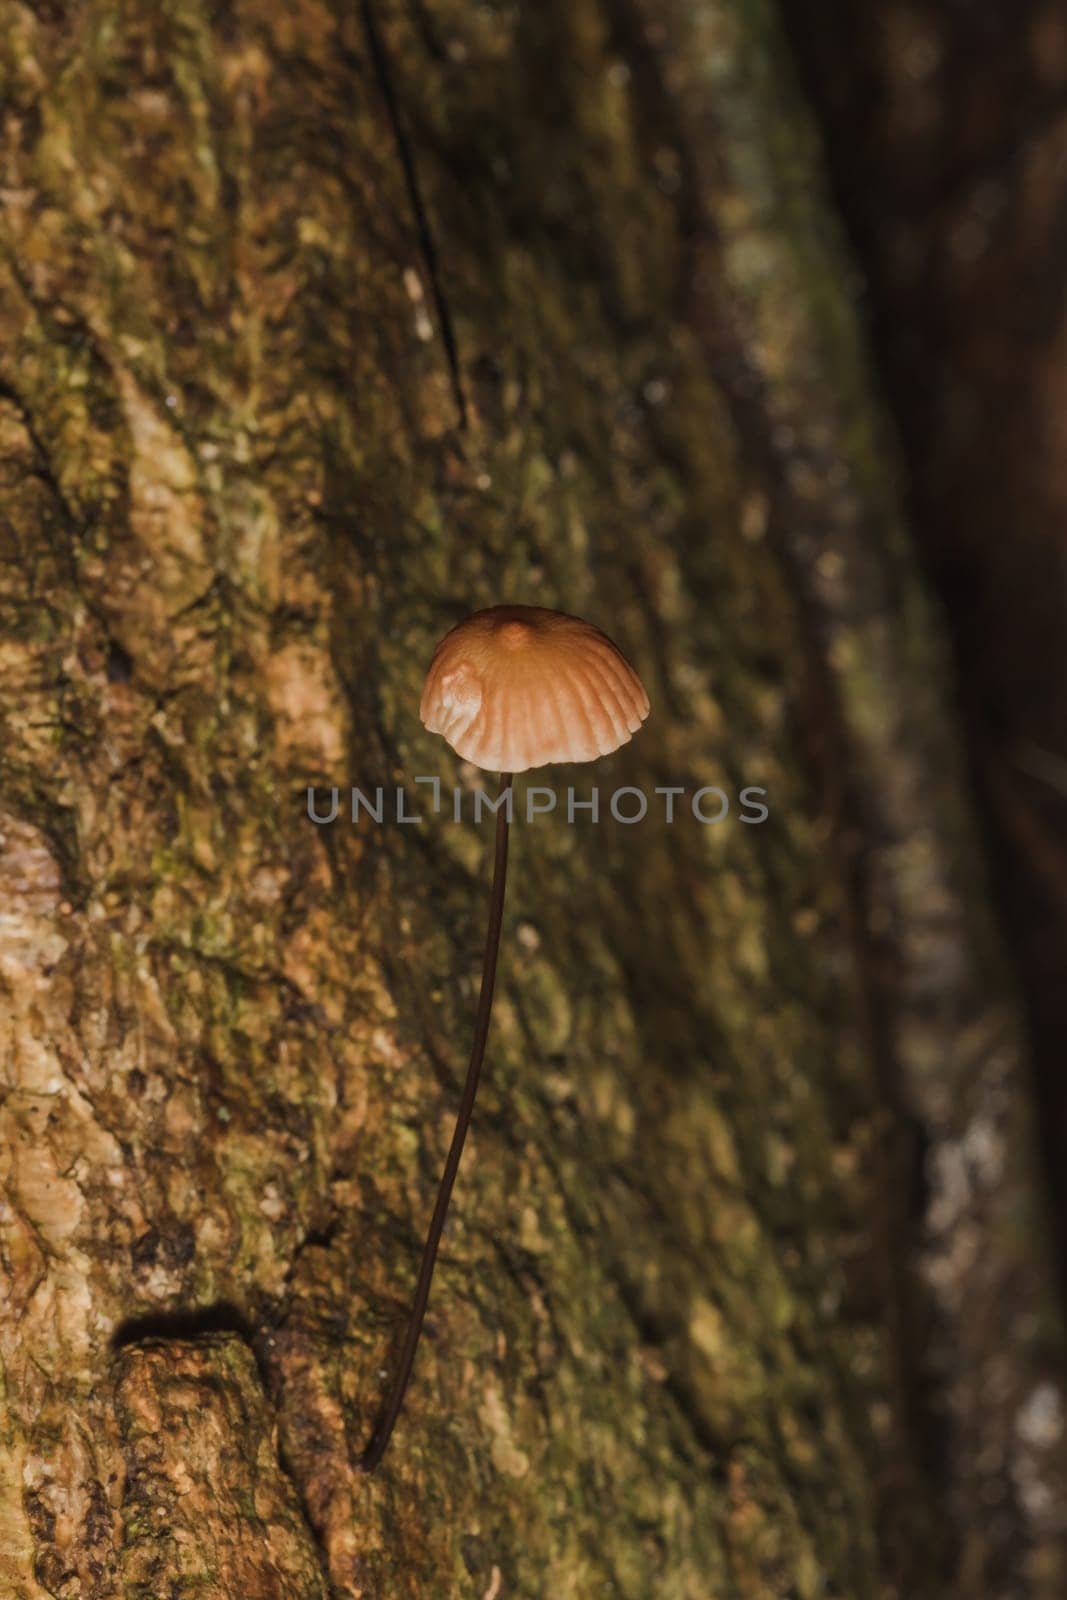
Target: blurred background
column 945, row 131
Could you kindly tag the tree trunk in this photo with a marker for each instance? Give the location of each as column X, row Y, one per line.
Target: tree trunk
column 946, row 126
column 322, row 325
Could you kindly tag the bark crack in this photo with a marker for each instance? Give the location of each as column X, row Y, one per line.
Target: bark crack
column 191, row 1325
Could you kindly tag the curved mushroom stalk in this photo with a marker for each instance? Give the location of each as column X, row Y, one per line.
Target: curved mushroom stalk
column 376, row 1449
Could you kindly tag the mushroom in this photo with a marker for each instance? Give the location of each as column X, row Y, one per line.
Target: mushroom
column 510, row 688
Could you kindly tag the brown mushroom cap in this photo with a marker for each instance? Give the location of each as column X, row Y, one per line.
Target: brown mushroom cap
column 515, row 687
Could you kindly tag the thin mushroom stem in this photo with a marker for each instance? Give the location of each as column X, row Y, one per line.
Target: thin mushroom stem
column 382, row 1434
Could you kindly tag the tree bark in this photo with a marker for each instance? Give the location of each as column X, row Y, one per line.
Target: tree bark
column 320, row 326
column 946, row 129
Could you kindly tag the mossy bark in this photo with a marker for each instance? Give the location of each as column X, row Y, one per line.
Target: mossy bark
column 320, row 325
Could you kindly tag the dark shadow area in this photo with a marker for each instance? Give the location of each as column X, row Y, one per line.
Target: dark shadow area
column 221, row 1317
column 945, row 131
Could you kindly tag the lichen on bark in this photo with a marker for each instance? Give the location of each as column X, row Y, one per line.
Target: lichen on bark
column 247, row 489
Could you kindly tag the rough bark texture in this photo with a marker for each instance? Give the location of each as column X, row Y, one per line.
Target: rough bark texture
column 321, row 325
